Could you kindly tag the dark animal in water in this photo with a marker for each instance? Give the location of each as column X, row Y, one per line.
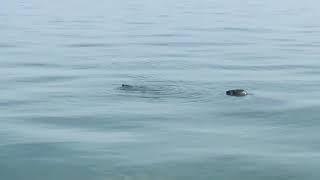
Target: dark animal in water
column 126, row 86
column 237, row 92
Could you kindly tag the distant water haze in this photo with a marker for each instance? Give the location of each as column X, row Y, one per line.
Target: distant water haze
column 64, row 114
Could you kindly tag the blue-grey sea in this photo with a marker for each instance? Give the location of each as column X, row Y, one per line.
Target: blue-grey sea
column 65, row 116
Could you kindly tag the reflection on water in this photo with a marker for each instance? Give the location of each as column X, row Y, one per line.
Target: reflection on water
column 65, row 114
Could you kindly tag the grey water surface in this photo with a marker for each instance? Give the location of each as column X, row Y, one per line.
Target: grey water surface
column 64, row 115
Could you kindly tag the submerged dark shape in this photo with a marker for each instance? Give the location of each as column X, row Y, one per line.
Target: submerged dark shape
column 134, row 88
column 126, row 86
column 237, row 92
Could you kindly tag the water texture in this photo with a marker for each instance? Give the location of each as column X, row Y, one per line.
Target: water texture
column 64, row 114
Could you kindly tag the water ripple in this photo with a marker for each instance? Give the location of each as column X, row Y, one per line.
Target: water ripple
column 91, row 45
column 161, row 91
column 193, row 44
column 45, row 79
column 7, row 45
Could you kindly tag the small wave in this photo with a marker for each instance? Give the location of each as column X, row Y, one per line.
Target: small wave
column 139, row 23
column 8, row 46
column 245, row 29
column 263, row 67
column 192, row 44
column 36, row 133
column 302, row 45
column 160, row 35
column 14, row 103
column 45, row 79
column 89, row 45
column 42, row 65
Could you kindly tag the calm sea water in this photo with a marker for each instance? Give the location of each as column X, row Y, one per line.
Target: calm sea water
column 64, row 116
